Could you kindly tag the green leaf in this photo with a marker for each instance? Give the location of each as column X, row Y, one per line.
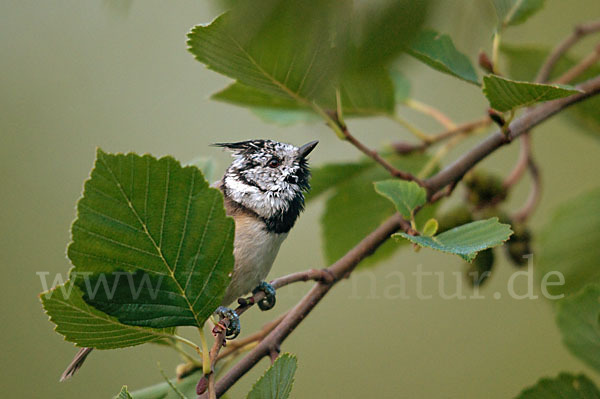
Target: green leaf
column 565, row 386
column 328, row 176
column 353, row 209
column 569, row 243
column 406, row 196
column 578, row 318
column 288, row 56
column 269, row 55
column 87, row 326
column 124, row 394
column 285, row 117
column 507, row 95
column 515, row 12
column 277, row 381
column 438, row 51
column 163, row 390
column 156, row 239
column 384, row 31
column 430, row 228
column 366, row 94
column 466, row 240
column 524, row 63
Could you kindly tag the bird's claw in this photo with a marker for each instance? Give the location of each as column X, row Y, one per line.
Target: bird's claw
column 268, row 301
column 234, row 328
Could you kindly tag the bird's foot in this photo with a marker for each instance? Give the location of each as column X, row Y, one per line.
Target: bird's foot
column 233, row 329
column 269, row 300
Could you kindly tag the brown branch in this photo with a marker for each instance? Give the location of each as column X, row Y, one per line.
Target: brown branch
column 344, row 266
column 236, row 345
column 534, row 195
column 533, row 117
column 521, row 166
column 578, row 33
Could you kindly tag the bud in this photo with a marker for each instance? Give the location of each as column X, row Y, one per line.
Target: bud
column 484, row 189
column 202, row 385
column 485, row 63
column 519, row 245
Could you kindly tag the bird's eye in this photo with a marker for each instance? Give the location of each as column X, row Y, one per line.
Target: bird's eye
column 273, row 163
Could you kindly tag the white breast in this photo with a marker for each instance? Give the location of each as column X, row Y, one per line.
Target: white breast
column 255, row 250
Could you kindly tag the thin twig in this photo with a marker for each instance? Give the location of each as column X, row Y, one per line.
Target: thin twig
column 378, row 158
column 418, row 133
column 578, row 33
column 534, row 195
column 580, row 68
column 236, row 345
column 456, row 170
column 246, row 303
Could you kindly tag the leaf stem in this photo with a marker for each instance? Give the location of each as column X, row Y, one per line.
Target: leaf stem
column 187, row 342
column 206, row 365
column 186, row 356
column 171, row 385
column 418, row 133
column 330, row 122
column 431, row 111
column 495, row 50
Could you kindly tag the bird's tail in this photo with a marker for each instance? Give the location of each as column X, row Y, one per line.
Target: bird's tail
column 75, row 363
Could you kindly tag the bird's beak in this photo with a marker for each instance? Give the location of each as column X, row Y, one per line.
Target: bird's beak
column 306, row 149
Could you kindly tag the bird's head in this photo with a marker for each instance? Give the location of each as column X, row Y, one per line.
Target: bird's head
column 268, row 177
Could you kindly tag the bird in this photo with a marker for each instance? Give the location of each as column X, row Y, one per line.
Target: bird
column 263, row 190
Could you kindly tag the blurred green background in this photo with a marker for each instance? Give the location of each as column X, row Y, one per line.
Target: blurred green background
column 76, row 74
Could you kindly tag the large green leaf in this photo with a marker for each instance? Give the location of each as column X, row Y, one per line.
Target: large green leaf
column 353, row 209
column 365, row 94
column 156, row 239
column 578, row 318
column 406, row 196
column 384, row 30
column 287, row 55
column 438, row 51
column 124, row 394
column 569, row 243
column 565, row 386
column 515, row 12
column 163, row 390
column 506, row 95
column 329, row 176
column 88, row 327
column 277, row 381
column 523, row 64
column 466, row 240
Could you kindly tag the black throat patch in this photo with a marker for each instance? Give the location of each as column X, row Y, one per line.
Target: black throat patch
column 283, row 222
column 280, row 224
